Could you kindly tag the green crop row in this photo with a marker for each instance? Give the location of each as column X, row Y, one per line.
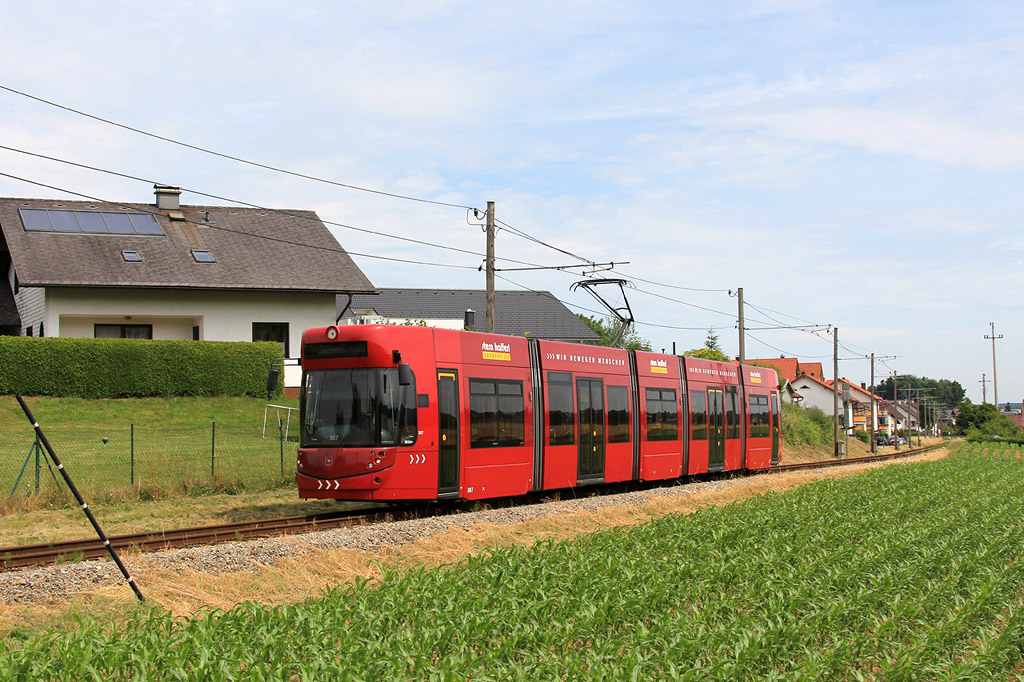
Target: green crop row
column 902, row 573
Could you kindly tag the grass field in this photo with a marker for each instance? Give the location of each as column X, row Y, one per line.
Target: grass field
column 901, row 573
column 142, row 449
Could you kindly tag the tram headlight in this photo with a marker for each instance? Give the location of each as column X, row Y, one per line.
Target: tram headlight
column 332, row 333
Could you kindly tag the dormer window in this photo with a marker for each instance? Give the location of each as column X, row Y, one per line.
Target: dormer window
column 131, row 257
column 202, row 256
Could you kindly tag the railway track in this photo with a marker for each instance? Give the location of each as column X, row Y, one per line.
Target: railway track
column 91, row 548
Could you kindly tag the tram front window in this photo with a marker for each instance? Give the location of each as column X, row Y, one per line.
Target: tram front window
column 357, row 408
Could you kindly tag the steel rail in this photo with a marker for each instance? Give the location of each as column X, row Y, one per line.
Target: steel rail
column 41, row 554
column 89, row 548
column 782, row 468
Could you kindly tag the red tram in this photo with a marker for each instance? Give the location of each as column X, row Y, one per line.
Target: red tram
column 413, row 413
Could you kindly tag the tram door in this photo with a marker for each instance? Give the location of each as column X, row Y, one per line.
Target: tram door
column 447, row 433
column 775, row 428
column 716, row 430
column 590, row 411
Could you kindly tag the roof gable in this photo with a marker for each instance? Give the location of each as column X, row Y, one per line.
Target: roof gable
column 251, row 249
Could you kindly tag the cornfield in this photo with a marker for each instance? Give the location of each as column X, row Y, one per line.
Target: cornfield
column 906, row 572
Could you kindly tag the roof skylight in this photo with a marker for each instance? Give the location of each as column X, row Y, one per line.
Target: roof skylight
column 202, row 256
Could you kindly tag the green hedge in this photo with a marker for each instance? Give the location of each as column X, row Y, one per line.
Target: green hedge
column 134, row 368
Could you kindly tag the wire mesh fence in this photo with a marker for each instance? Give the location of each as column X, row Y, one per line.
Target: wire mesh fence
column 148, row 462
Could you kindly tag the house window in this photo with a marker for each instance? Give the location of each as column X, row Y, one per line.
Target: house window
column 202, row 256
column 272, row 331
column 41, row 335
column 123, row 331
column 131, row 257
column 28, row 331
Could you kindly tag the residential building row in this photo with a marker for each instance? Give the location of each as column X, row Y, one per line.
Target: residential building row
column 806, row 386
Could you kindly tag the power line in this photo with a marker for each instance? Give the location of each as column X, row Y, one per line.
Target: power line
column 257, row 206
column 335, row 183
column 519, row 233
column 604, row 313
column 775, row 348
column 314, row 178
column 241, row 232
column 229, row 156
column 671, row 286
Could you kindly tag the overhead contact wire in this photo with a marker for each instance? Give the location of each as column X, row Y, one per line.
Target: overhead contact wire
column 229, row 156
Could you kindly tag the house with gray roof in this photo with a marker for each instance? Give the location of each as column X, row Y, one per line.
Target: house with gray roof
column 167, row 271
column 517, row 313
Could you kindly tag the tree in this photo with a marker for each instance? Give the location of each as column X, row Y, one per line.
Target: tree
column 711, row 350
column 984, row 420
column 943, row 391
column 608, row 330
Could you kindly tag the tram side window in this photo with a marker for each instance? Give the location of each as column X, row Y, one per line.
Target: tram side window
column 618, row 414
column 561, row 413
column 497, row 414
column 732, row 412
column 699, row 415
column 662, row 414
column 760, row 417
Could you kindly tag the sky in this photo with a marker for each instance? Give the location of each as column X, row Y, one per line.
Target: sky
column 851, row 165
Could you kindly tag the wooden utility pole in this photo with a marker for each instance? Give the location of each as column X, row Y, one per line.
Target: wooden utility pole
column 743, row 331
column 490, row 267
column 835, row 387
column 983, row 383
column 995, row 381
column 874, row 408
column 896, row 402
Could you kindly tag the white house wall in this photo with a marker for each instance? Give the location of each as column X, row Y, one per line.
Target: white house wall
column 816, row 395
column 220, row 315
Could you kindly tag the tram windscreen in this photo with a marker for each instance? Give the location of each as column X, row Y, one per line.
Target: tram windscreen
column 357, row 408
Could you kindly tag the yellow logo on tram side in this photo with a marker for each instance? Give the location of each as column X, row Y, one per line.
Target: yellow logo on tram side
column 496, row 351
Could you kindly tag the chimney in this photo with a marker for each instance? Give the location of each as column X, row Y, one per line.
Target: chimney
column 167, row 197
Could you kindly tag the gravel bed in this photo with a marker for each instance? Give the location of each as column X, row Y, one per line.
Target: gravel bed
column 61, row 583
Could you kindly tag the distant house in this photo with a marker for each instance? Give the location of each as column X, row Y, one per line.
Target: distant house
column 816, row 393
column 905, row 414
column 537, row 314
column 860, row 408
column 790, row 368
column 166, row 271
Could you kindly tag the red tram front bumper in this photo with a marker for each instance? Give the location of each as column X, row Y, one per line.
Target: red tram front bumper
column 350, row 473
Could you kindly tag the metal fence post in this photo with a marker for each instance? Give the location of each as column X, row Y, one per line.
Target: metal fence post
column 213, row 446
column 133, row 455
column 38, row 467
column 280, row 431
